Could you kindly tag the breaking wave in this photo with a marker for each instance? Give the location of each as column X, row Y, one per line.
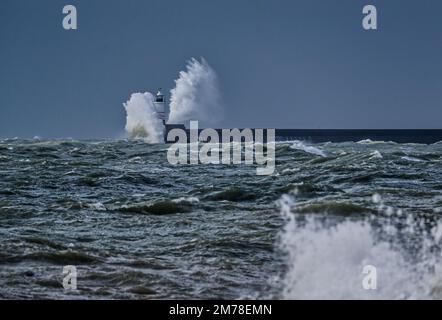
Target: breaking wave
column 412, row 159
column 298, row 145
column 376, row 155
column 142, row 121
column 326, row 259
column 196, row 95
column 369, row 141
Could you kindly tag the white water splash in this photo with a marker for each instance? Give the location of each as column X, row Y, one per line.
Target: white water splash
column 191, row 200
column 369, row 141
column 298, row 145
column 196, row 95
column 142, row 121
column 325, row 261
column 376, row 155
column 412, row 159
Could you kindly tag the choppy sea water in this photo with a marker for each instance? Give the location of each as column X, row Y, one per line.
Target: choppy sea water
column 137, row 227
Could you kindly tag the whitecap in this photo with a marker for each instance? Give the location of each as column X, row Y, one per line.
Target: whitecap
column 327, row 261
column 369, row 141
column 299, row 145
column 186, row 200
column 376, row 155
column 98, row 206
column 412, row 159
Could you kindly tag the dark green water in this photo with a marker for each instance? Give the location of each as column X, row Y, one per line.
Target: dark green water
column 138, row 227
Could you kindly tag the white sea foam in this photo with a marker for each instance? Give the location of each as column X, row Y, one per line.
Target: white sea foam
column 376, row 155
column 412, row 159
column 196, row 95
column 98, row 206
column 289, row 171
column 369, row 141
column 325, row 261
column 299, row 145
column 142, row 121
column 191, row 200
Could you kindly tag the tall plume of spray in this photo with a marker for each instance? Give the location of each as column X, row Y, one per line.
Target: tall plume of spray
column 142, row 120
column 196, row 95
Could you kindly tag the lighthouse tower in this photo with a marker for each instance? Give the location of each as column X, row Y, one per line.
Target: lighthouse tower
column 160, row 105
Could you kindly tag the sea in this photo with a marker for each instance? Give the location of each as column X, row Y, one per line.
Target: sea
column 348, row 220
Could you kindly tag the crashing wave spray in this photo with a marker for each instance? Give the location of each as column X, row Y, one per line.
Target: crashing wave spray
column 142, row 119
column 196, row 95
column 299, row 145
column 325, row 259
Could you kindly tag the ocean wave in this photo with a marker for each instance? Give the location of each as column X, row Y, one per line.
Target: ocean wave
column 369, row 141
column 298, row 145
column 232, row 194
column 157, row 208
column 44, row 242
column 142, row 290
column 326, row 260
column 305, row 189
column 412, row 159
column 191, row 200
column 376, row 155
column 116, row 278
column 290, row 171
column 136, row 192
column 97, row 206
column 335, row 208
column 49, row 283
column 361, row 177
column 138, row 178
column 66, row 257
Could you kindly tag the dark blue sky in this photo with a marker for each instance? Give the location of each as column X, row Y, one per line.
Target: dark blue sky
column 290, row 64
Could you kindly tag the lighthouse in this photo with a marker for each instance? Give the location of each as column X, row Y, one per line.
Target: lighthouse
column 160, row 105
